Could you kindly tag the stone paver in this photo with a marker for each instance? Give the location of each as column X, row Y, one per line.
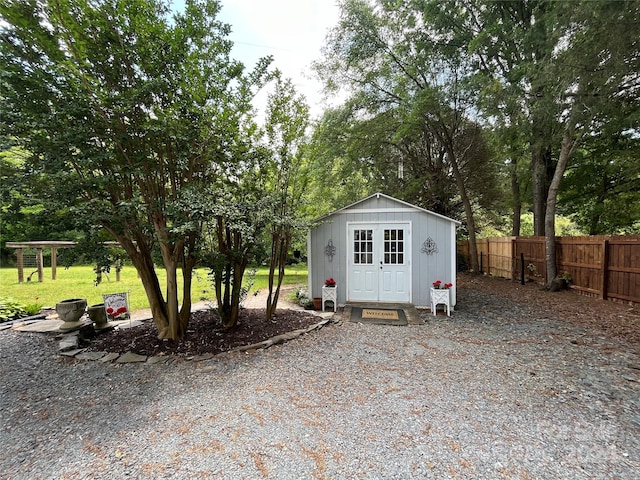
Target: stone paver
column 72, row 353
column 109, row 357
column 91, row 355
column 131, row 357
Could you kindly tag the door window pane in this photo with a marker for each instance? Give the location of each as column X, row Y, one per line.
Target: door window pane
column 362, row 247
column 393, row 243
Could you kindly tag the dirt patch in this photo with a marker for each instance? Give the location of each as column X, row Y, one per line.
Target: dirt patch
column 611, row 319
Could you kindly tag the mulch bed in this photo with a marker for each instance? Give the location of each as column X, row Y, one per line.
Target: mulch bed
column 205, row 334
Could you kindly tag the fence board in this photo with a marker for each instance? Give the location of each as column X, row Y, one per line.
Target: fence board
column 606, row 266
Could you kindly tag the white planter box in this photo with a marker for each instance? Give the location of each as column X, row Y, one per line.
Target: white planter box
column 330, row 294
column 440, row 296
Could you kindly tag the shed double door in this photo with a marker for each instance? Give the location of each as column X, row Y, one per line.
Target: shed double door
column 379, row 262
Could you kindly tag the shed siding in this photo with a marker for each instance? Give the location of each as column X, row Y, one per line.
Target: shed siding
column 437, row 266
column 425, row 268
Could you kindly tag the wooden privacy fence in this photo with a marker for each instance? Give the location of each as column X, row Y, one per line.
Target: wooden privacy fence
column 604, row 266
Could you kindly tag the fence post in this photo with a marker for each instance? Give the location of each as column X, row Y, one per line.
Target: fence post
column 521, row 268
column 605, row 268
column 481, row 258
column 488, row 258
column 513, row 259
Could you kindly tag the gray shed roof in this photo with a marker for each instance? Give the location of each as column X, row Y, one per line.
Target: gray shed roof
column 348, row 208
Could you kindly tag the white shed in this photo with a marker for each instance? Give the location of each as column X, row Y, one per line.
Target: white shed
column 383, row 250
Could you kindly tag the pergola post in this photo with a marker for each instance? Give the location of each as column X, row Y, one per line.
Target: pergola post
column 20, row 262
column 54, row 262
column 39, row 262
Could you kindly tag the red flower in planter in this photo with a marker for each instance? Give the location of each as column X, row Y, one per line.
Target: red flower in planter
column 330, row 282
column 437, row 284
column 448, row 285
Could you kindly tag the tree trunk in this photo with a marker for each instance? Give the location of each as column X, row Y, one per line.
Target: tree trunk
column 517, row 202
column 569, row 142
column 445, row 137
column 140, row 255
column 280, row 247
column 539, row 165
column 468, row 210
column 541, row 159
column 173, row 332
column 228, row 273
column 158, row 306
column 172, row 253
column 188, row 264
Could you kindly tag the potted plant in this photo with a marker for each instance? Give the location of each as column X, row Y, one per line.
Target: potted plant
column 317, row 303
column 440, row 295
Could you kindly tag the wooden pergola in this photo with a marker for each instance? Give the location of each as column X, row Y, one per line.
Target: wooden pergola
column 39, row 246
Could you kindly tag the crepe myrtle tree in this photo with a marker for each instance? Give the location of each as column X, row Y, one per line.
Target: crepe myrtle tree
column 234, row 215
column 286, row 177
column 128, row 105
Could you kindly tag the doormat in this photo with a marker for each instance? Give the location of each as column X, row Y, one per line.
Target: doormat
column 378, row 316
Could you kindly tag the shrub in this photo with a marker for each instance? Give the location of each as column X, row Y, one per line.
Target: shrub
column 33, row 308
column 11, row 309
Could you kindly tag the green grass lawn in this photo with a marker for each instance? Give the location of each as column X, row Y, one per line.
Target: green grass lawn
column 77, row 282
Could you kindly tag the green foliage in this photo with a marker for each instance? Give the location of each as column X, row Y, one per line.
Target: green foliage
column 29, row 206
column 126, row 108
column 603, row 189
column 301, row 297
column 564, row 226
column 337, row 178
column 287, row 173
column 11, row 309
column 34, row 307
column 546, row 71
column 405, row 128
column 233, row 219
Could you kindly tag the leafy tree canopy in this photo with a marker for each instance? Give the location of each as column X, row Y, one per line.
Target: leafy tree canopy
column 128, row 108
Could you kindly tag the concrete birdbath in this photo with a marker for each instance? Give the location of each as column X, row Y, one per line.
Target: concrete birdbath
column 70, row 311
column 98, row 315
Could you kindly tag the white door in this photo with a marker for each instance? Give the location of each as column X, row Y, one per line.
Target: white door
column 379, row 259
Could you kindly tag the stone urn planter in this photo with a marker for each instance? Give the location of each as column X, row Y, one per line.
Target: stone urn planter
column 98, row 315
column 70, row 311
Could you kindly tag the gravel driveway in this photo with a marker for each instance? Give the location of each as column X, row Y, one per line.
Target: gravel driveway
column 492, row 392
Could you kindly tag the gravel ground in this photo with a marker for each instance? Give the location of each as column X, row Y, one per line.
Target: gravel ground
column 493, row 392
